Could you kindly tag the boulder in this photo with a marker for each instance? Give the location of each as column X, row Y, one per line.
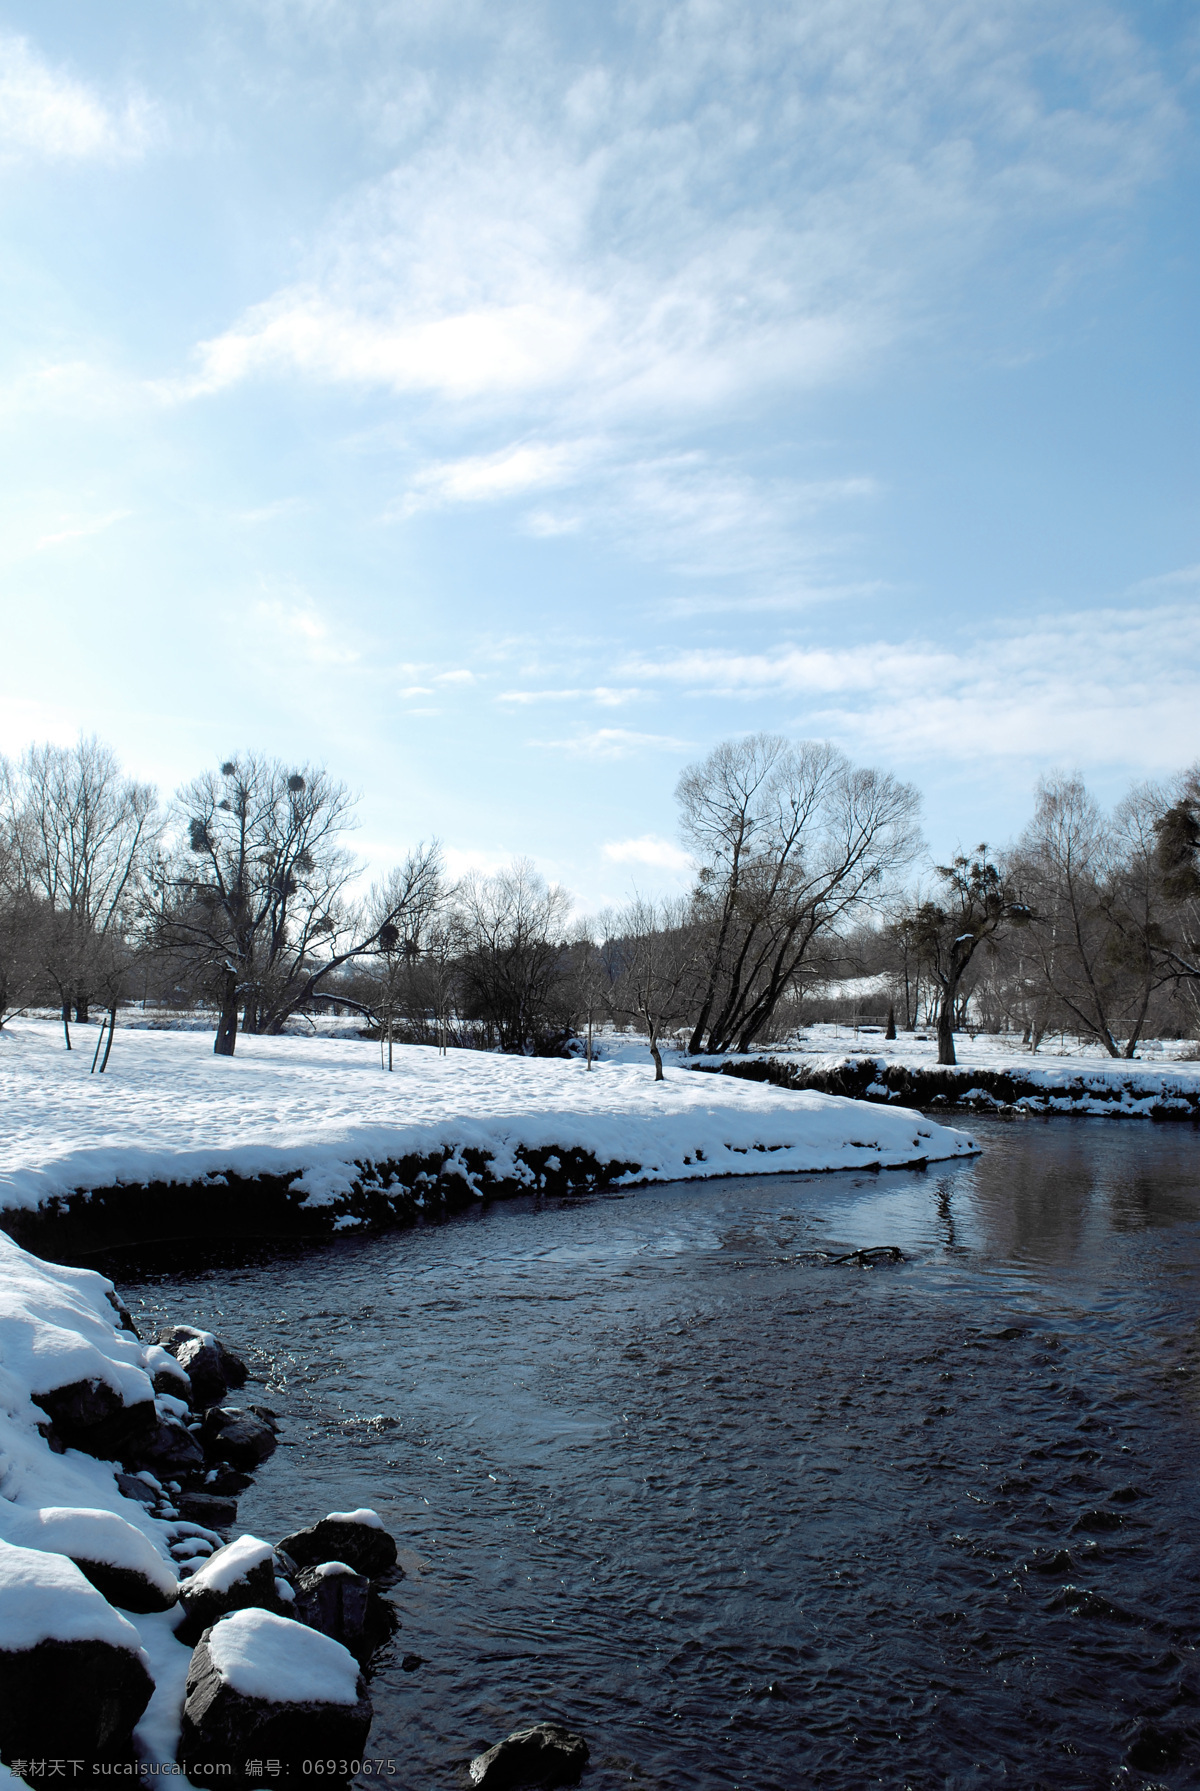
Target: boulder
column 335, row 1600
column 73, row 1679
column 263, row 1687
column 356, row 1538
column 164, row 1446
column 201, row 1362
column 134, row 1487
column 233, row 1578
column 209, row 1509
column 546, row 1754
column 166, row 1374
column 238, row 1437
column 232, row 1367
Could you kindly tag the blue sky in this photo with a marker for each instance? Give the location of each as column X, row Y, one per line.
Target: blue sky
column 504, row 403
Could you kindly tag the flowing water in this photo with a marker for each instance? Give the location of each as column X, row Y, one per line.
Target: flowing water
column 662, row 1470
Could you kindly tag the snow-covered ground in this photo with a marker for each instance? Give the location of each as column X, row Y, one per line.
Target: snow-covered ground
column 1063, row 1076
column 169, row 1110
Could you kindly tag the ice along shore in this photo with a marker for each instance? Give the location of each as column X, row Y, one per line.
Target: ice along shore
column 310, row 1136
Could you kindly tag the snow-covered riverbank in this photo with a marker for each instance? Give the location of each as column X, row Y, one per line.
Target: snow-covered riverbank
column 992, row 1074
column 320, row 1119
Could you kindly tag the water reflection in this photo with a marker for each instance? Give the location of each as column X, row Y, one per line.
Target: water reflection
column 748, row 1519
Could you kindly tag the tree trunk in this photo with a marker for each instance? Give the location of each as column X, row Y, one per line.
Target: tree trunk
column 112, row 1027
column 589, row 1040
column 250, row 1014
column 81, row 1010
column 227, row 1026
column 891, row 1023
column 656, row 1054
column 66, row 1020
column 945, row 1028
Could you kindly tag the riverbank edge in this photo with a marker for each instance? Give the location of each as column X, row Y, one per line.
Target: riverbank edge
column 968, row 1087
column 391, row 1195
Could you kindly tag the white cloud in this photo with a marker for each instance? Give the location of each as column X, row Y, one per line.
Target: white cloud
column 736, row 203
column 648, row 849
column 1104, row 687
column 301, row 626
column 78, row 530
column 490, row 478
column 603, row 695
column 614, row 743
column 47, row 115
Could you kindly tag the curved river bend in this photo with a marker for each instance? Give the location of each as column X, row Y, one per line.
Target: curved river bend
column 745, row 1517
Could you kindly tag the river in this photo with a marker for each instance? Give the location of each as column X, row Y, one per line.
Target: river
column 743, row 1516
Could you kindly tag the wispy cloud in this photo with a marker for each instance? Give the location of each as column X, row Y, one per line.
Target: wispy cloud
column 46, row 114
column 488, row 478
column 613, row 743
column 603, row 695
column 77, row 531
column 1104, row 686
column 763, row 203
column 649, row 849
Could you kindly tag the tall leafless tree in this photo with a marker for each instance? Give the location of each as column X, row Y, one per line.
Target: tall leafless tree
column 790, row 840
column 81, row 832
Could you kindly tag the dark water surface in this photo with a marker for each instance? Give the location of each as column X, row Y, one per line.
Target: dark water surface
column 744, row 1518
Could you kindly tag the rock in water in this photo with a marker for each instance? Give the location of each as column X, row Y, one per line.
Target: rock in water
column 356, row 1538
column 262, row 1687
column 547, row 1754
column 73, row 1679
column 175, row 1336
column 236, row 1577
column 235, row 1436
column 202, row 1364
column 334, row 1599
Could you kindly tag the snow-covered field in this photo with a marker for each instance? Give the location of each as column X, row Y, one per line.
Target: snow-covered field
column 168, row 1110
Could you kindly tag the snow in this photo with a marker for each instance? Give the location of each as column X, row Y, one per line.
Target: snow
column 371, row 1519
column 1065, row 1075
column 230, row 1564
column 86, row 1535
column 264, row 1656
column 45, row 1597
column 58, row 1325
column 169, row 1110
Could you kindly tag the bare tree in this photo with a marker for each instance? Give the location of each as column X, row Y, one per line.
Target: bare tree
column 653, row 961
column 253, row 900
column 790, row 841
column 513, row 928
column 81, row 833
column 1065, row 863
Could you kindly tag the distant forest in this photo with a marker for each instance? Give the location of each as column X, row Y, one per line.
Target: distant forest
column 238, row 898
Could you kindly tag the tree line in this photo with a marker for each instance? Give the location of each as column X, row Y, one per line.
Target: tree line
column 240, row 897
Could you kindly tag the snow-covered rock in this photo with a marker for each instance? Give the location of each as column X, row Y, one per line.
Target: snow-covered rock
column 116, row 1556
column 74, row 1678
column 265, row 1687
column 335, row 1600
column 233, row 1578
column 357, row 1538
